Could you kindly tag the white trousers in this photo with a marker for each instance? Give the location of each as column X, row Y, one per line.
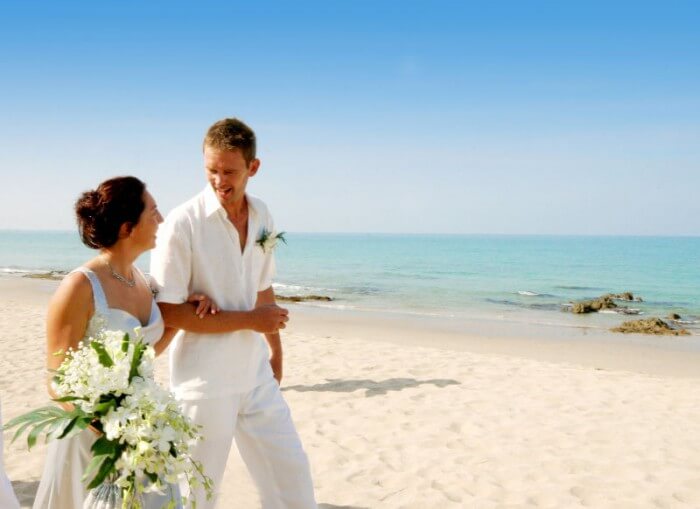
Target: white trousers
column 7, row 495
column 262, row 426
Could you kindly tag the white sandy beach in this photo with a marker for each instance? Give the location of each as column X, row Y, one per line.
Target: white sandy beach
column 480, row 419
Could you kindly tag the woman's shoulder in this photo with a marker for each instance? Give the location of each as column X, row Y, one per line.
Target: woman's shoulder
column 75, row 286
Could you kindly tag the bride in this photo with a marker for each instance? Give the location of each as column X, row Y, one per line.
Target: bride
column 120, row 219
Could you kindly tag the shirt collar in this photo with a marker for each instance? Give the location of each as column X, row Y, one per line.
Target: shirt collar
column 212, row 204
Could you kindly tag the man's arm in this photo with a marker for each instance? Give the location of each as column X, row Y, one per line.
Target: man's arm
column 266, row 298
column 266, row 319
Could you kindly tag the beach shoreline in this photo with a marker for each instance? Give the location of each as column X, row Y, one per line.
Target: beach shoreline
column 400, row 411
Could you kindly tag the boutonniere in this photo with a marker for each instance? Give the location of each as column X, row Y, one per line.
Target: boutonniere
column 268, row 240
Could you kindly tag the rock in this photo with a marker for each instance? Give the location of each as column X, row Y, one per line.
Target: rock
column 629, row 296
column 654, row 326
column 606, row 301
column 54, row 275
column 590, row 306
column 303, row 298
column 674, row 316
column 622, row 296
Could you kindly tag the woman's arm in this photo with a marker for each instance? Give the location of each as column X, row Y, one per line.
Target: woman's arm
column 69, row 311
column 164, row 341
column 201, row 305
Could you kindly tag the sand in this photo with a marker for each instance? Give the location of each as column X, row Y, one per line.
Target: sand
column 478, row 419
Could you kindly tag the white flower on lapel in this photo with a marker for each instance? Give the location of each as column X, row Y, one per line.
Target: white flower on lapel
column 268, row 240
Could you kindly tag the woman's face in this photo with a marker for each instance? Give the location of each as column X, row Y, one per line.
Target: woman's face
column 144, row 233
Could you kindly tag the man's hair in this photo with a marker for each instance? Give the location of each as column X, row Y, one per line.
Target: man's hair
column 232, row 134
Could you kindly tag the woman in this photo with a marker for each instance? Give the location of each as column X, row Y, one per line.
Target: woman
column 7, row 496
column 120, row 219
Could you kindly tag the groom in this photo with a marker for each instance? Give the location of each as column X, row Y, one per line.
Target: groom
column 225, row 368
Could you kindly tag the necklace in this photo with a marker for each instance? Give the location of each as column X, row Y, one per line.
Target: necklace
column 116, row 275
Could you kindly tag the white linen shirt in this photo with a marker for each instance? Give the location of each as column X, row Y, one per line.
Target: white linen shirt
column 198, row 250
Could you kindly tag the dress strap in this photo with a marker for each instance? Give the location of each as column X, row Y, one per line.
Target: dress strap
column 97, row 292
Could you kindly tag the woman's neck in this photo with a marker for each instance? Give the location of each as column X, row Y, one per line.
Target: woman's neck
column 120, row 260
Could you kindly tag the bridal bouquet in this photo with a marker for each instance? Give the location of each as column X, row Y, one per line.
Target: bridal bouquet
column 145, row 439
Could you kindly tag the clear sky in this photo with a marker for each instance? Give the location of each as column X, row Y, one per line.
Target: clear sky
column 372, row 116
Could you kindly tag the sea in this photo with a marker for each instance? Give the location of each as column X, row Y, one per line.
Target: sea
column 514, row 277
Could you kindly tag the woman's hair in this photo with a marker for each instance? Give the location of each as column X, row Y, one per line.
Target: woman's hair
column 101, row 212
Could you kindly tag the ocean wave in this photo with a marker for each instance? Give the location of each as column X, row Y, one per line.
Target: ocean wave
column 621, row 311
column 528, row 293
column 529, row 305
column 33, row 273
column 299, row 288
column 574, row 287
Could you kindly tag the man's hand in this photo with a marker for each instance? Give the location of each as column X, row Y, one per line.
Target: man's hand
column 269, row 318
column 276, row 364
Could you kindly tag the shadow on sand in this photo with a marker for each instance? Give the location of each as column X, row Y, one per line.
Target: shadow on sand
column 372, row 388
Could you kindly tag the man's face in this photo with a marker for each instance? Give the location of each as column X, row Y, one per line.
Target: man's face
column 228, row 174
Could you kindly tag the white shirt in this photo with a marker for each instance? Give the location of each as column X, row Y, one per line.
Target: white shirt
column 198, row 250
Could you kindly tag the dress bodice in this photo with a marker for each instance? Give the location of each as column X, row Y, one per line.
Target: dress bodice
column 118, row 319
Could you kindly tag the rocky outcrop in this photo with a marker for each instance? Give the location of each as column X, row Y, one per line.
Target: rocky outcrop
column 593, row 306
column 628, row 296
column 606, row 301
column 303, row 298
column 54, row 275
column 654, row 326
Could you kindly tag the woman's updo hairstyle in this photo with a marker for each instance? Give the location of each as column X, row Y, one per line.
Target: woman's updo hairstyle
column 102, row 211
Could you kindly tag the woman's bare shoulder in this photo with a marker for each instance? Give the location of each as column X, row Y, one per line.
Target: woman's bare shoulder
column 74, row 288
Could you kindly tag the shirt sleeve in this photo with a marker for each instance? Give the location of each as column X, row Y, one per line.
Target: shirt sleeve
column 268, row 269
column 171, row 262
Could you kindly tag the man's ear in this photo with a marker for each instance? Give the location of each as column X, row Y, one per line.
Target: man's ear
column 254, row 167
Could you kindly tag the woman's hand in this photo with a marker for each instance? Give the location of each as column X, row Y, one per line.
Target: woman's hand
column 203, row 304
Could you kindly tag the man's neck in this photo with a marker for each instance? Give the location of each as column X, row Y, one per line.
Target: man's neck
column 237, row 211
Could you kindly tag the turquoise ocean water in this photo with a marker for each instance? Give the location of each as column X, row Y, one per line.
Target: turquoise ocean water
column 447, row 275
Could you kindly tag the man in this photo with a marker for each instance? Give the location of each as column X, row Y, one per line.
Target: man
column 221, row 369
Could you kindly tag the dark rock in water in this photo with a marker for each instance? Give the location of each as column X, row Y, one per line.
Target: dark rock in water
column 654, row 326
column 595, row 305
column 303, row 298
column 606, row 301
column 622, row 296
column 53, row 275
column 629, row 296
column 674, row 316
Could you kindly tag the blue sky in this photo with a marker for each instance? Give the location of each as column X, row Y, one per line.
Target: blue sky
column 449, row 117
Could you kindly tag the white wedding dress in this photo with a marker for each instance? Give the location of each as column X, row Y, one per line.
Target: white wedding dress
column 7, row 496
column 66, row 460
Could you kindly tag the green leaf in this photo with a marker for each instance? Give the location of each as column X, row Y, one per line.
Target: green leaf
column 139, row 348
column 34, row 418
column 103, row 408
column 105, row 469
column 36, row 415
column 67, row 399
column 94, row 465
column 68, row 428
column 125, row 343
column 36, row 431
column 152, row 477
column 102, row 354
column 102, row 447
